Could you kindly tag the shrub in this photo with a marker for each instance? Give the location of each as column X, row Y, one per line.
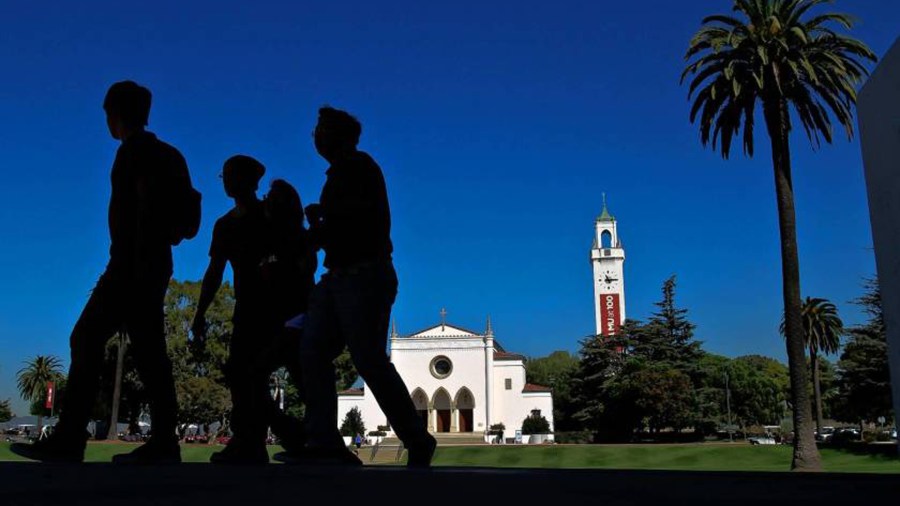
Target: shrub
column 535, row 424
column 353, row 423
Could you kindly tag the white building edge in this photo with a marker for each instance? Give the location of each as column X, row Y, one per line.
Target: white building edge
column 460, row 381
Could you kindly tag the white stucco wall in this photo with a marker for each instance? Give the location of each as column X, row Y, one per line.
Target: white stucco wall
column 879, row 121
column 371, row 413
column 413, row 358
column 474, row 369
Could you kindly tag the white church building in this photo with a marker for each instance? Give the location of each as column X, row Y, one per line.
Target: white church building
column 460, row 381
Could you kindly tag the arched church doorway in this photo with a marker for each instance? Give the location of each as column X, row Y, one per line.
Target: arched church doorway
column 465, row 406
column 442, row 410
column 420, row 400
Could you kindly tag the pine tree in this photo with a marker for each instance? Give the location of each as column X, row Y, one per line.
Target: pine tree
column 668, row 337
column 863, row 375
column 353, row 423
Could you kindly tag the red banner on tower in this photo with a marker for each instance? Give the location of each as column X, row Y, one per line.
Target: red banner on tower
column 609, row 311
column 51, row 393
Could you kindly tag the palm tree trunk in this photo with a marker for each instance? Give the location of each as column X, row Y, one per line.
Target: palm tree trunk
column 117, row 389
column 806, row 455
column 817, row 389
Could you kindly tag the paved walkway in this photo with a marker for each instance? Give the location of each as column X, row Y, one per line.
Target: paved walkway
column 201, row 484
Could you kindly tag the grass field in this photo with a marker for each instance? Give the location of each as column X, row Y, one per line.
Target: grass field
column 684, row 457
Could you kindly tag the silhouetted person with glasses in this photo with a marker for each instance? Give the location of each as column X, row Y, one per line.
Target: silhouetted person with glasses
column 351, row 304
column 129, row 294
column 264, row 244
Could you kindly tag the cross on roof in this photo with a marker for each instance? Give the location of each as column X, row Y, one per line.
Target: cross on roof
column 443, row 318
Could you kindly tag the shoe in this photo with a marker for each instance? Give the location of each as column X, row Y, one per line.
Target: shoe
column 319, row 456
column 239, row 454
column 151, row 452
column 419, row 455
column 54, row 448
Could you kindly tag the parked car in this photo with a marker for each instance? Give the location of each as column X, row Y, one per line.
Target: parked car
column 826, row 434
column 762, row 440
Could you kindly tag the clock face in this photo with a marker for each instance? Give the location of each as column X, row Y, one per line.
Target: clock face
column 609, row 279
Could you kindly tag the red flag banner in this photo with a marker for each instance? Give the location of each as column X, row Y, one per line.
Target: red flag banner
column 609, row 309
column 51, row 393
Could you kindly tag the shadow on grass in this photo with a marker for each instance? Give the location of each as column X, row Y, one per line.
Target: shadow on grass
column 886, row 452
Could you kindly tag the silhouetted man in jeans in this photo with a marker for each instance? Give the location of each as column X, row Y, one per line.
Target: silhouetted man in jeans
column 243, row 237
column 129, row 294
column 352, row 302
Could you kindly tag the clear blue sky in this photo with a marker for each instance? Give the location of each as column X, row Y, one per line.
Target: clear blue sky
column 497, row 124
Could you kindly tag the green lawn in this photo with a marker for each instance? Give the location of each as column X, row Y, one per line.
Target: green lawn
column 684, row 457
column 103, row 452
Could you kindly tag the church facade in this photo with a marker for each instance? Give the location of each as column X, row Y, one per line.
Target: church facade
column 460, row 381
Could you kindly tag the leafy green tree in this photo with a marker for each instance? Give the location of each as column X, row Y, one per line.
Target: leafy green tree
column 758, row 390
column 353, row 423
column 203, row 401
column 864, row 380
column 556, row 371
column 6, row 413
column 822, row 329
column 32, row 382
column 663, row 395
column 535, row 423
column 345, row 370
column 777, row 57
column 828, row 386
column 710, row 392
column 595, row 389
column 199, row 373
column 133, row 398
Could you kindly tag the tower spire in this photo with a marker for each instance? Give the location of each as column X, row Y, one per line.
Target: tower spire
column 604, row 215
column 489, row 331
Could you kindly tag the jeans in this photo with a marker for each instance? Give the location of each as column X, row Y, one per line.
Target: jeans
column 133, row 303
column 352, row 307
column 257, row 349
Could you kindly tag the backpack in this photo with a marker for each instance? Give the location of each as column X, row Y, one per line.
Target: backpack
column 184, row 217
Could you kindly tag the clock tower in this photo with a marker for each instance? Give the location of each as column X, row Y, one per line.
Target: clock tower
column 607, row 261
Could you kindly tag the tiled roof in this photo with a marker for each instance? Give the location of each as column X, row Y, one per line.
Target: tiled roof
column 536, row 388
column 502, row 355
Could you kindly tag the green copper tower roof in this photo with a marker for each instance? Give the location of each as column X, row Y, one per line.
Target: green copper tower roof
column 604, row 215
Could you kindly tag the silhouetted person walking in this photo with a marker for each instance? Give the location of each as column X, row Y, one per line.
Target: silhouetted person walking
column 256, row 244
column 352, row 302
column 150, row 193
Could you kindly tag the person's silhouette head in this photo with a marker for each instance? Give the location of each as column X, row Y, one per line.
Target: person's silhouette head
column 127, row 106
column 283, row 204
column 337, row 133
column 241, row 175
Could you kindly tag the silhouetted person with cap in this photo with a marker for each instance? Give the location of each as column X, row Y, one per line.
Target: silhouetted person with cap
column 129, row 294
column 243, row 237
column 351, row 304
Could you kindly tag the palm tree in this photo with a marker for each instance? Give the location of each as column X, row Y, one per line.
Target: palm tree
column 822, row 329
column 33, row 378
column 780, row 58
